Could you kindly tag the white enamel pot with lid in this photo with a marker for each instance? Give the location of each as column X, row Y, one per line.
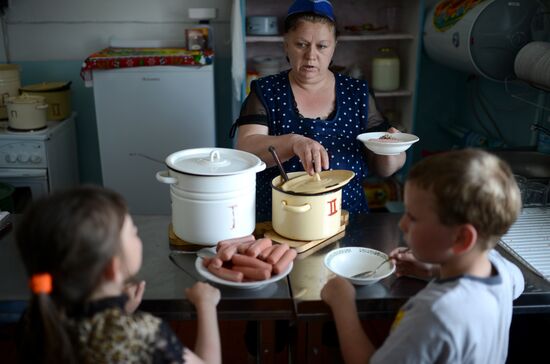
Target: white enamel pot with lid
column 308, row 207
column 213, row 193
column 26, row 112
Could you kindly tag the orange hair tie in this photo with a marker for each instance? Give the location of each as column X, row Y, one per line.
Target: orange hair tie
column 41, row 283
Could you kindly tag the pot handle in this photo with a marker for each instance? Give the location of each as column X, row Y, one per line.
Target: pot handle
column 164, row 177
column 41, row 107
column 297, row 209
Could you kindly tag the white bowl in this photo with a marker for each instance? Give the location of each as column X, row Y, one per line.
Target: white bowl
column 373, row 142
column 347, row 262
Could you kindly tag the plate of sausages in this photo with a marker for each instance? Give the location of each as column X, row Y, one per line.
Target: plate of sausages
column 247, row 263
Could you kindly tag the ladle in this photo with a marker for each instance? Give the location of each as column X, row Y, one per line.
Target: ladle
column 278, row 161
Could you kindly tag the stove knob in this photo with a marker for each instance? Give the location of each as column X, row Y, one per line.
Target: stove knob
column 35, row 158
column 11, row 158
column 23, row 158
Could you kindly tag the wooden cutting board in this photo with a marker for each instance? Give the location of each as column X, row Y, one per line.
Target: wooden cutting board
column 266, row 229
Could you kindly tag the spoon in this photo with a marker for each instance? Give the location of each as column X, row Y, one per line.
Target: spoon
column 278, row 161
column 370, row 273
column 202, row 253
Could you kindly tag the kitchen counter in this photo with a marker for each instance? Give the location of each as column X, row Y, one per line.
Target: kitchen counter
column 297, row 296
column 379, row 231
column 164, row 292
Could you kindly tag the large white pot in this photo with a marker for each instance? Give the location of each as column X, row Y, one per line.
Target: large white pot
column 26, row 112
column 213, row 192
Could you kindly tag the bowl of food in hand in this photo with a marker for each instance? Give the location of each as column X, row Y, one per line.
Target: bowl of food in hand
column 360, row 266
column 387, row 143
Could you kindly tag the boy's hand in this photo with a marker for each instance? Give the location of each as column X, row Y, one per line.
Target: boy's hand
column 336, row 291
column 135, row 294
column 407, row 265
column 203, row 294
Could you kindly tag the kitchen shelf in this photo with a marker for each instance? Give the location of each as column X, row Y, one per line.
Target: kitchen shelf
column 343, row 38
column 397, row 93
column 356, row 49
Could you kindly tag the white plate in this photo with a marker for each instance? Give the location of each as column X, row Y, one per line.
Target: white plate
column 242, row 285
column 347, row 262
column 371, row 141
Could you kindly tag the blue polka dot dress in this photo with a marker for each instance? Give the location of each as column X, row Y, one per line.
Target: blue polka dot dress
column 337, row 134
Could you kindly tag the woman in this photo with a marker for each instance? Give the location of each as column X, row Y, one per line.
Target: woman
column 311, row 115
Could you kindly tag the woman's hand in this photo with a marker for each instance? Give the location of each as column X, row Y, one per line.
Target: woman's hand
column 312, row 154
column 407, row 265
column 386, row 165
column 203, row 294
column 337, row 291
column 134, row 291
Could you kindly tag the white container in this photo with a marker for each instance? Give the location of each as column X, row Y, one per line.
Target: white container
column 262, row 25
column 385, row 71
column 9, row 85
column 213, row 192
column 267, row 65
column 26, row 112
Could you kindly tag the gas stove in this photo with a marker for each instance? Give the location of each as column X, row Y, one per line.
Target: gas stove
column 41, row 161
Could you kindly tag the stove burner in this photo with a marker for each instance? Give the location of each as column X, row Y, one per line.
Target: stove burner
column 11, row 130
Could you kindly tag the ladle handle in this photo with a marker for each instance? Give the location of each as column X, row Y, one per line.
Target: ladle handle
column 278, row 161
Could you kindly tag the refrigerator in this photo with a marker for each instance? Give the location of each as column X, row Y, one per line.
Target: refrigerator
column 144, row 114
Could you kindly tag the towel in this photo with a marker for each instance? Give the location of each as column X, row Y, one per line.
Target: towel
column 238, row 63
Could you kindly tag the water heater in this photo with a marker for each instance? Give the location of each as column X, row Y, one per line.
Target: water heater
column 479, row 36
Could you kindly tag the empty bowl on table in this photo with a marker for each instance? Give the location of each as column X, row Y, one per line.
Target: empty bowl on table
column 395, row 143
column 347, row 262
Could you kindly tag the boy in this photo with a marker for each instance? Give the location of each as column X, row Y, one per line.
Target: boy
column 457, row 206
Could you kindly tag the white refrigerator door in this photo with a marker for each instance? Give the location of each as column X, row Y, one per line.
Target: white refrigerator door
column 154, row 111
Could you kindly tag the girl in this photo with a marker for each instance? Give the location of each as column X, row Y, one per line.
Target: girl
column 79, row 248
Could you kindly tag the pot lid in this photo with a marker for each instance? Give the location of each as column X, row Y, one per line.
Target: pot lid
column 47, row 87
column 25, row 99
column 318, row 183
column 214, row 162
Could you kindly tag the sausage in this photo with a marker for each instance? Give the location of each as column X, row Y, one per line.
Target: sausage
column 242, row 239
column 226, row 253
column 266, row 252
column 277, row 253
column 227, row 274
column 241, row 248
column 253, row 274
column 215, row 262
column 285, row 260
column 257, row 247
column 245, row 260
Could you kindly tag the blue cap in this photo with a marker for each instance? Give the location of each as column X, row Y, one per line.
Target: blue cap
column 319, row 7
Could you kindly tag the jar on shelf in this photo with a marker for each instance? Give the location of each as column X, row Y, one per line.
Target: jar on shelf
column 385, row 70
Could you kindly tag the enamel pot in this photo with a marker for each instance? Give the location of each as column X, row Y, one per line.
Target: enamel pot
column 213, row 193
column 306, row 215
column 26, row 112
column 56, row 94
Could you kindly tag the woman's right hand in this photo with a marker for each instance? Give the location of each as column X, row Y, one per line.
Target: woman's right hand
column 406, row 264
column 312, row 154
column 203, row 294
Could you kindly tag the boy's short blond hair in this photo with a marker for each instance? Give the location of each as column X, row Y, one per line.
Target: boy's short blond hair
column 471, row 186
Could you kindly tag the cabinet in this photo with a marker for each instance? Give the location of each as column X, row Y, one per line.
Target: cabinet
column 356, row 48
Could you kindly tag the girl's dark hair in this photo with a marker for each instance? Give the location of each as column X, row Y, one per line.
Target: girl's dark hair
column 71, row 235
column 291, row 21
